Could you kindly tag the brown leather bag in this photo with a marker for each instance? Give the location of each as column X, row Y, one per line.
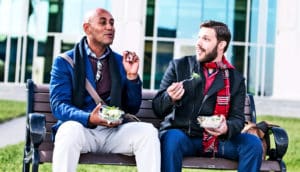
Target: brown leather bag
column 255, row 129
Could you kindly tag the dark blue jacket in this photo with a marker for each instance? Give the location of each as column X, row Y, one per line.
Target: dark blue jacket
column 125, row 94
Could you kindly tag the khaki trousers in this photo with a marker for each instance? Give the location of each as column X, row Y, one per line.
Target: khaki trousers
column 133, row 138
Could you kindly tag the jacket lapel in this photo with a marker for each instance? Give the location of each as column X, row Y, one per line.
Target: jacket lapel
column 216, row 86
column 194, row 67
column 116, row 81
column 89, row 72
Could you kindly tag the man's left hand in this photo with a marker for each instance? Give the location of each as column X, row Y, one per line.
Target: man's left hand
column 222, row 129
column 131, row 64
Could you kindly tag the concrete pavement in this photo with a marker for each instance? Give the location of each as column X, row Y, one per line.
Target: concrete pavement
column 13, row 91
column 12, row 132
column 277, row 107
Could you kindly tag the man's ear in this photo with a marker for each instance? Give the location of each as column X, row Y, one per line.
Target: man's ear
column 86, row 28
column 222, row 45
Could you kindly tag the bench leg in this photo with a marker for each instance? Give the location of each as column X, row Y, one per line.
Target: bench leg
column 282, row 166
column 35, row 160
column 26, row 160
column 26, row 166
column 27, row 153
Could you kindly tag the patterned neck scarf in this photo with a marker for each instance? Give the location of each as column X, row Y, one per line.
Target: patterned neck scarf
column 209, row 142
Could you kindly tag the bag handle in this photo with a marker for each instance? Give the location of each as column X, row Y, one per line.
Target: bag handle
column 88, row 86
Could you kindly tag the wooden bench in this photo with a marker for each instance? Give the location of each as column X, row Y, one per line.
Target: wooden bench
column 39, row 147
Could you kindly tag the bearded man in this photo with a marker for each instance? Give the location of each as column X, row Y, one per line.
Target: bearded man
column 216, row 90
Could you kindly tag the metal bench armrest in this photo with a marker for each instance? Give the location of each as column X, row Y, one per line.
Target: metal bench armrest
column 37, row 128
column 281, row 141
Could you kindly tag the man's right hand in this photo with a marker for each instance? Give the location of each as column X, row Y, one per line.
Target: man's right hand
column 95, row 118
column 175, row 91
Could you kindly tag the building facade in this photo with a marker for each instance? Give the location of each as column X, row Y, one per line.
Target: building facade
column 263, row 47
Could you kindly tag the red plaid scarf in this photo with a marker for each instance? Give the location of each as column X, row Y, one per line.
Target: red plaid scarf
column 209, row 142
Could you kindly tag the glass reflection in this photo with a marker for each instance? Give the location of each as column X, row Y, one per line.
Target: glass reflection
column 164, row 55
column 181, row 18
column 147, row 64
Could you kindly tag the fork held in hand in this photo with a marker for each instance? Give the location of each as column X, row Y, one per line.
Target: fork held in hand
column 188, row 79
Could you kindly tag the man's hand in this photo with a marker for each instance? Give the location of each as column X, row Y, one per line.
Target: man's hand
column 131, row 64
column 95, row 118
column 175, row 91
column 222, row 129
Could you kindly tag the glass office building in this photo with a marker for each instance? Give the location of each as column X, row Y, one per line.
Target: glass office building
column 169, row 30
column 172, row 27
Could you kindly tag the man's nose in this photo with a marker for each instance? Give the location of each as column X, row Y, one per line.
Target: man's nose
column 199, row 42
column 109, row 26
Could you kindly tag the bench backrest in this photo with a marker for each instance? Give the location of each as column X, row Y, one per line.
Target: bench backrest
column 38, row 102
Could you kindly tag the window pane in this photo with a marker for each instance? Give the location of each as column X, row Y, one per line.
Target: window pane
column 45, row 50
column 236, row 57
column 254, row 14
column 269, row 71
column 65, row 46
column 252, row 69
column 189, row 18
column 55, row 16
column 271, row 26
column 2, row 56
column 181, row 18
column 12, row 59
column 150, row 17
column 29, row 56
column 167, row 18
column 163, row 56
column 239, row 28
column 78, row 8
column 147, row 64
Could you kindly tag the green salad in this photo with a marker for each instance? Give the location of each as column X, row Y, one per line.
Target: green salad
column 209, row 121
column 195, row 75
column 110, row 113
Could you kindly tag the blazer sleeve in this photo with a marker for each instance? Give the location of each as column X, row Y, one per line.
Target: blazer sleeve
column 162, row 103
column 133, row 95
column 61, row 94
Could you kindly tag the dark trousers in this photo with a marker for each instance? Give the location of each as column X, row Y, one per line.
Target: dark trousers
column 175, row 144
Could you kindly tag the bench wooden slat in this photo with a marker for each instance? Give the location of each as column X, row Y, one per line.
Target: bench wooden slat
column 209, row 163
column 49, row 126
column 95, row 158
column 41, row 107
column 41, row 97
column 146, row 104
column 270, row 166
column 146, row 113
column 41, row 88
column 46, row 146
column 148, row 94
column 50, row 117
column 48, row 137
column 153, row 121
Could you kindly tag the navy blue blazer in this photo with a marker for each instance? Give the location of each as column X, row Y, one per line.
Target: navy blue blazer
column 125, row 94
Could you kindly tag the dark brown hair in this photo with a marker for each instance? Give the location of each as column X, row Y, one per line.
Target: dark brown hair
column 221, row 29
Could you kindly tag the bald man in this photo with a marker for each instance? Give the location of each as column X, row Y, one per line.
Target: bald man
column 114, row 78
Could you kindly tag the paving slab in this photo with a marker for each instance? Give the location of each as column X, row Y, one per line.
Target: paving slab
column 12, row 132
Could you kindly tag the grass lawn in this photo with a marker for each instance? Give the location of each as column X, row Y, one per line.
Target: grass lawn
column 11, row 156
column 11, row 109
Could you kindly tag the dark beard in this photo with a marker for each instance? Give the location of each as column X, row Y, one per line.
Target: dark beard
column 210, row 56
